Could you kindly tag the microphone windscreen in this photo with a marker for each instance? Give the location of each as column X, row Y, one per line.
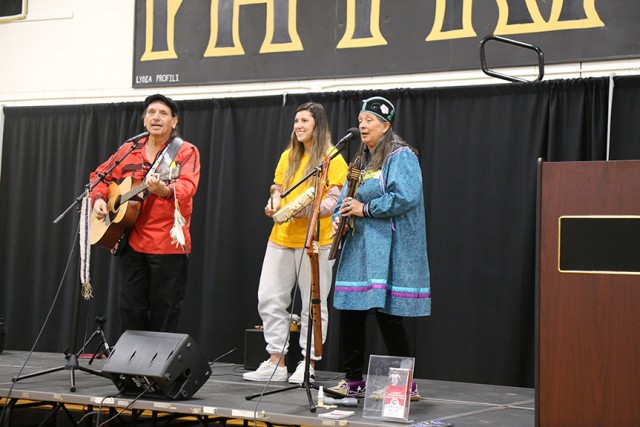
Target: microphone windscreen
column 355, row 132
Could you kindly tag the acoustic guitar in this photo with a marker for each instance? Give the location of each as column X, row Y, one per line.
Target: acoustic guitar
column 123, row 206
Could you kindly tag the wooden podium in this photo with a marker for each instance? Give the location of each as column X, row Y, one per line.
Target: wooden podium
column 588, row 294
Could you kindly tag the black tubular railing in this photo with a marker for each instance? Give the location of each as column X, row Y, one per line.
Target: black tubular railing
column 492, row 73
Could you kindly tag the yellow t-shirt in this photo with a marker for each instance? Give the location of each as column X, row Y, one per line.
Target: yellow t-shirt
column 293, row 233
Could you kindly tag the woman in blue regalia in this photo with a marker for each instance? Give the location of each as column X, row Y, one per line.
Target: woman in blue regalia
column 383, row 269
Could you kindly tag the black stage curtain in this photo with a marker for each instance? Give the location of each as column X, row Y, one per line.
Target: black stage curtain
column 479, row 148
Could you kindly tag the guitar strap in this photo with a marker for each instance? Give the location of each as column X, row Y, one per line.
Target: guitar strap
column 164, row 160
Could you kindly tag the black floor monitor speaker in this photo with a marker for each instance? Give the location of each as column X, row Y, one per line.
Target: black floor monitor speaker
column 169, row 365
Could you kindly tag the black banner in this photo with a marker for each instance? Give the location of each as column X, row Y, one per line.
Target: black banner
column 228, row 41
column 12, row 9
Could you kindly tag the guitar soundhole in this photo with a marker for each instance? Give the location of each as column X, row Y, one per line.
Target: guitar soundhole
column 116, row 204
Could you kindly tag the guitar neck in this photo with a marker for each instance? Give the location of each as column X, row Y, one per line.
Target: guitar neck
column 167, row 176
column 132, row 193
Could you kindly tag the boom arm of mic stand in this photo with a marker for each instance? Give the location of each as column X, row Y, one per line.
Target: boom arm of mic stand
column 91, row 185
column 336, row 150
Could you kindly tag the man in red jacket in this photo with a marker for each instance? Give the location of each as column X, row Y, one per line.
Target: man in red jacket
column 153, row 262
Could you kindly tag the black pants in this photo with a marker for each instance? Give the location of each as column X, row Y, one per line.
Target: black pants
column 353, row 338
column 151, row 290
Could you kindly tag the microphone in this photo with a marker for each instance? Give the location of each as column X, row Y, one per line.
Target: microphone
column 137, row 137
column 351, row 133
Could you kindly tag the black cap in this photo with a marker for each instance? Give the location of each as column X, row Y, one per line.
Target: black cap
column 379, row 106
column 167, row 101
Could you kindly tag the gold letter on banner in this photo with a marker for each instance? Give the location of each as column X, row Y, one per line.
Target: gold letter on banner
column 374, row 36
column 224, row 39
column 539, row 24
column 170, row 25
column 441, row 15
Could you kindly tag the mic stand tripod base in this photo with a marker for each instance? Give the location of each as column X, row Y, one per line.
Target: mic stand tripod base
column 71, row 365
column 72, row 360
column 103, row 347
column 306, row 385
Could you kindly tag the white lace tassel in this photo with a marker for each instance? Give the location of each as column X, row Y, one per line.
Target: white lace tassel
column 176, row 233
column 85, row 248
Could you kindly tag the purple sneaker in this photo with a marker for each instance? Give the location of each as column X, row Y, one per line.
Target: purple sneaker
column 415, row 396
column 349, row 388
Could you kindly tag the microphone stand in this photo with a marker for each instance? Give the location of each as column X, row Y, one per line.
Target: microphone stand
column 306, row 383
column 72, row 363
column 101, row 177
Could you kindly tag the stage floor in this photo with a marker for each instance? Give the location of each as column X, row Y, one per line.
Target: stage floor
column 222, row 398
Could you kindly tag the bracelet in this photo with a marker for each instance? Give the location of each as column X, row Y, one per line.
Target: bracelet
column 365, row 210
column 169, row 193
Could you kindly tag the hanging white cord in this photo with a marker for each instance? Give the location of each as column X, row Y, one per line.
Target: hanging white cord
column 610, row 106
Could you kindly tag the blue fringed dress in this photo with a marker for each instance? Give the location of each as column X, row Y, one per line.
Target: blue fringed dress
column 384, row 261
